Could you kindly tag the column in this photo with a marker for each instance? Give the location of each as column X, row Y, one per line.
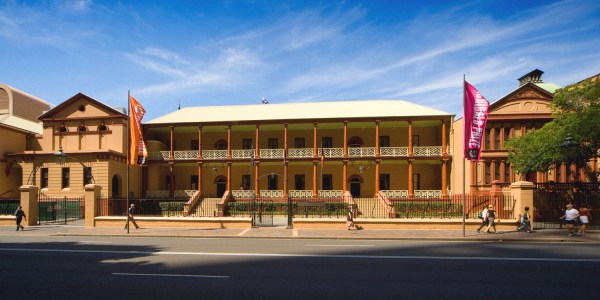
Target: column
column 345, row 159
column 377, row 157
column 229, row 142
column 285, row 163
column 444, row 178
column 29, row 202
column 199, row 184
column 444, row 142
column 315, row 159
column 172, row 164
column 411, row 190
column 92, row 193
column 410, row 144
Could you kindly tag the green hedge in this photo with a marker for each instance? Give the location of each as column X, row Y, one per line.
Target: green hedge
column 408, row 209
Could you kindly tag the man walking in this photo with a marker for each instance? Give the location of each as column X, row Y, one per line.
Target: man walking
column 20, row 215
column 130, row 213
column 483, row 217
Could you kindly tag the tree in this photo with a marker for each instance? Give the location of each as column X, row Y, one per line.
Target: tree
column 572, row 137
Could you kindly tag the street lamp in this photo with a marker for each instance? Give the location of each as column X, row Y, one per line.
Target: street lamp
column 61, row 157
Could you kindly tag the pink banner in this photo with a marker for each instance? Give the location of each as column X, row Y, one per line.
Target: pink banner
column 475, row 114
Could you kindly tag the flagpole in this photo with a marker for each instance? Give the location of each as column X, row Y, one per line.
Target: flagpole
column 464, row 163
column 128, row 149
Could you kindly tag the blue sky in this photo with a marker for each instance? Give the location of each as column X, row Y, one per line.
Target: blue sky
column 235, row 52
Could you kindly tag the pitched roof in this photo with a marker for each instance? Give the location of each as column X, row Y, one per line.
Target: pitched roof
column 20, row 124
column 299, row 111
column 77, row 96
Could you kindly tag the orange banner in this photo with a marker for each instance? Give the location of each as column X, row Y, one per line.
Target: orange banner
column 138, row 154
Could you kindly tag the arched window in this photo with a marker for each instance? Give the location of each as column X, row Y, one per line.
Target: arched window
column 82, row 128
column 221, row 145
column 62, row 128
column 102, row 127
column 355, row 141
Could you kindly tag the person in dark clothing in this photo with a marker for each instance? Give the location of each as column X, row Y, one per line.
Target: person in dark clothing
column 491, row 217
column 130, row 213
column 20, row 215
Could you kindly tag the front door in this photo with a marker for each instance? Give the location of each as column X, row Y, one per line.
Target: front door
column 355, row 187
column 221, row 187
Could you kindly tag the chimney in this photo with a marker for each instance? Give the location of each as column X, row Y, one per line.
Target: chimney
column 534, row 76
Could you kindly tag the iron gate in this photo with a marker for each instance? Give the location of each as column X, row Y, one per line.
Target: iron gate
column 56, row 210
column 262, row 212
column 550, row 199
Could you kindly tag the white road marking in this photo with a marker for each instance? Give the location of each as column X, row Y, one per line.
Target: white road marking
column 325, row 245
column 410, row 257
column 244, row 232
column 170, row 275
column 94, row 242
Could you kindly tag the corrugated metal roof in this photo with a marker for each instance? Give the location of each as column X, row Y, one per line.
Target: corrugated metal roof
column 21, row 124
column 298, row 111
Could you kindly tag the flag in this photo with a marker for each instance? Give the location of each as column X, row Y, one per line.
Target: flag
column 137, row 148
column 475, row 118
column 264, row 100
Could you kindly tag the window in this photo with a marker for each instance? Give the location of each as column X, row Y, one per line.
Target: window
column 506, row 172
column 168, row 182
column 416, row 182
column 496, row 138
column 486, row 137
column 221, row 145
column 327, row 183
column 299, row 182
column 272, row 182
column 194, row 182
column 327, row 142
column 66, row 178
column 384, row 182
column 246, row 182
column 62, row 128
column 247, row 144
column 102, row 127
column 194, row 145
column 488, row 170
column 299, row 143
column 415, row 140
column 384, row 141
column 355, row 142
column 497, row 170
column 82, row 128
column 44, row 183
column 87, row 175
column 273, row 143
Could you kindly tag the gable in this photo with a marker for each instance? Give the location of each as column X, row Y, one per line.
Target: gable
column 527, row 99
column 81, row 106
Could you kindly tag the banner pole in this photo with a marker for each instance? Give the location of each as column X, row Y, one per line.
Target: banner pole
column 464, row 169
column 128, row 149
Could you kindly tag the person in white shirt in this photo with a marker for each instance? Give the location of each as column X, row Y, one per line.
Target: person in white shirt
column 483, row 218
column 571, row 215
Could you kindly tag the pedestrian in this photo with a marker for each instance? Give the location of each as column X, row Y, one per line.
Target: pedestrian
column 585, row 215
column 491, row 219
column 20, row 215
column 571, row 215
column 483, row 217
column 350, row 220
column 525, row 223
column 130, row 213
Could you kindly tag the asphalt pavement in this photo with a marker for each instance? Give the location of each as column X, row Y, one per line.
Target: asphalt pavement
column 279, row 232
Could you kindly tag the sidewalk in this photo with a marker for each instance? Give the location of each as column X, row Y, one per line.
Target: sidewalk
column 543, row 235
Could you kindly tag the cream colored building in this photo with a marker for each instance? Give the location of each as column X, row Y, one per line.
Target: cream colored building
column 82, row 141
column 389, row 146
column 18, row 126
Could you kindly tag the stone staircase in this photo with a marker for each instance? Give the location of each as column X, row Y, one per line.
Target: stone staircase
column 370, row 208
column 207, row 208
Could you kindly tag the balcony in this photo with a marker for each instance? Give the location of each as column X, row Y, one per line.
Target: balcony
column 354, row 152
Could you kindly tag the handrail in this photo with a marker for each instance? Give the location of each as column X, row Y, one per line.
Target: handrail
column 222, row 205
column 11, row 191
column 366, row 152
column 192, row 204
column 385, row 201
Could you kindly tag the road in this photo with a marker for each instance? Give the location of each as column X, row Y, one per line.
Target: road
column 226, row 268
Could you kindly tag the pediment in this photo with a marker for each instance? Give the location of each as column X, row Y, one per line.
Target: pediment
column 81, row 106
column 527, row 99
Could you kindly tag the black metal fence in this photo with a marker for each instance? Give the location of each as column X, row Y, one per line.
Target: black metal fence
column 550, row 199
column 143, row 207
column 301, row 207
column 8, row 206
column 451, row 207
column 60, row 210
